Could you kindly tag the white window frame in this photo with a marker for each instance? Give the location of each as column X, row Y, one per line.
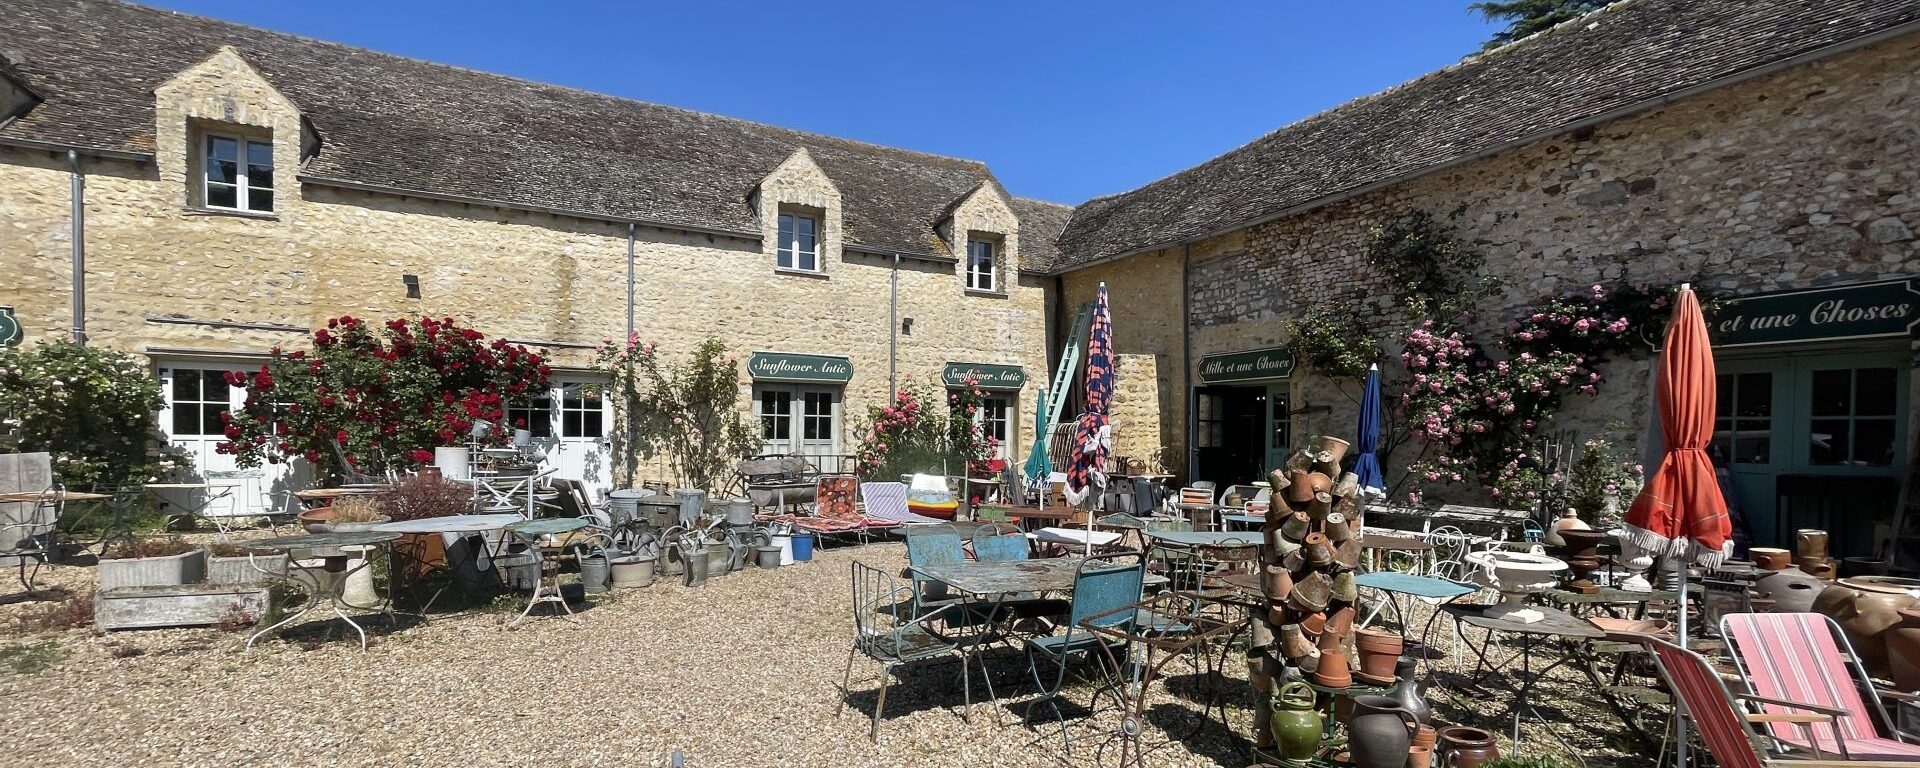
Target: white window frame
column 800, row 398
column 242, row 181
column 982, row 279
column 787, row 251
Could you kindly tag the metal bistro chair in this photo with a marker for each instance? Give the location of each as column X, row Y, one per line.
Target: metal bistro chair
column 1102, row 585
column 931, row 549
column 992, row 546
column 30, row 536
column 901, row 639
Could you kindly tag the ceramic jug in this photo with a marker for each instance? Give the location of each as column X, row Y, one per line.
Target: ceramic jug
column 1295, row 724
column 1464, row 747
column 1406, row 690
column 1380, row 732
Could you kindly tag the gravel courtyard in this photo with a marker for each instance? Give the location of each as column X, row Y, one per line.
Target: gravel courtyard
column 741, row 672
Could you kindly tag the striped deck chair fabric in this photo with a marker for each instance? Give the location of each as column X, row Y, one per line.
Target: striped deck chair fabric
column 1795, row 657
column 1709, row 706
column 888, row 502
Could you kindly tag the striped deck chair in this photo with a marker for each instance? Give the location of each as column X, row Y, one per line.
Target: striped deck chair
column 1726, row 729
column 1804, row 657
column 888, row 502
column 835, row 510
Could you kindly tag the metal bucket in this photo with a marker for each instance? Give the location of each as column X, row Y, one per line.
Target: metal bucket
column 633, row 571
column 768, row 556
column 521, row 570
column 658, row 511
column 595, row 570
column 739, row 512
column 693, row 504
column 624, row 505
column 673, row 562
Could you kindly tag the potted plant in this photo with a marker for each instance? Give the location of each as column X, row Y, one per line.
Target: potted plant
column 152, row 562
column 420, row 497
column 229, row 563
column 356, row 513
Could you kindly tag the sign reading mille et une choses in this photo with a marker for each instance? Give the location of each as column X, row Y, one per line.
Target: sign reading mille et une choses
column 985, row 375
column 9, row 328
column 1886, row 309
column 783, row 366
column 1252, row 365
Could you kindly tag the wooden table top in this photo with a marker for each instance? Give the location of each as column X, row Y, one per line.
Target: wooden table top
column 1404, row 543
column 29, row 497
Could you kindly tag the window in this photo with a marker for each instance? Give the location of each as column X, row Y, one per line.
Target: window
column 799, row 242
column 980, row 265
column 996, row 413
column 1853, row 416
column 1210, row 424
column 1743, row 418
column 1279, row 417
column 797, row 419
column 580, row 412
column 776, row 415
column 199, row 399
column 237, row 174
column 534, row 416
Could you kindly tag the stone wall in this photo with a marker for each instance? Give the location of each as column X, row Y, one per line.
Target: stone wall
column 1805, row 177
column 1144, row 296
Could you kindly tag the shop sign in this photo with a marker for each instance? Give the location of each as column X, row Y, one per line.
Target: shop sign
column 9, row 328
column 782, row 366
column 1884, row 309
column 1252, row 365
column 986, row 375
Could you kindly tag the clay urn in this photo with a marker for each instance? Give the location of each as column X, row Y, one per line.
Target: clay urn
column 1791, row 590
column 1866, row 608
column 1582, row 542
column 1569, row 521
column 1380, row 732
column 1810, row 544
column 1903, row 650
column 1771, row 558
column 1379, row 652
column 1464, row 747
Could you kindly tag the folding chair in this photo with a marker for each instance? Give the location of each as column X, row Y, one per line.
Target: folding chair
column 1804, row 657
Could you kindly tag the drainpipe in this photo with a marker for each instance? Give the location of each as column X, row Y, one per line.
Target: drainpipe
column 1186, row 355
column 893, row 329
column 630, row 231
column 79, row 235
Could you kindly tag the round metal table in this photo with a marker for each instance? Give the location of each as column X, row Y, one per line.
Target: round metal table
column 329, row 580
column 547, row 589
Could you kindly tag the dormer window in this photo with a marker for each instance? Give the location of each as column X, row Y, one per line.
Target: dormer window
column 980, row 265
column 237, row 173
column 799, row 242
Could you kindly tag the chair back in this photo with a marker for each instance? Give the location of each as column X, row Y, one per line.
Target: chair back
column 877, row 600
column 1709, row 706
column 1794, row 657
column 934, row 549
column 1169, row 525
column 883, row 499
column 992, row 514
column 834, row 497
column 1103, row 584
column 1194, row 494
column 992, row 546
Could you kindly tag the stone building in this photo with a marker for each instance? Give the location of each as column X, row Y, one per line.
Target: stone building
column 1766, row 151
column 238, row 187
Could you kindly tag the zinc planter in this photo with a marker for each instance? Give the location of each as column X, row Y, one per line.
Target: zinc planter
column 245, row 570
column 167, row 571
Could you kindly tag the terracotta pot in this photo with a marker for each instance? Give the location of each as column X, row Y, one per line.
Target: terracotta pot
column 1426, row 736
column 1569, row 521
column 1300, row 488
column 1320, row 482
column 1346, row 487
column 1294, row 643
column 1866, row 608
column 1771, row 558
column 419, row 554
column 1582, row 542
column 1276, row 614
column 1331, row 641
column 317, row 520
column 1311, row 592
column 1336, row 528
column 1277, row 481
column 1296, row 526
column 1313, row 623
column 1903, row 650
column 1320, row 506
column 1347, row 553
column 1340, row 622
column 1332, row 670
column 1379, row 653
column 1318, row 551
column 1463, row 747
column 1278, row 583
column 1791, row 590
column 1810, row 543
column 1344, row 588
column 1420, row 756
column 1819, row 568
column 1333, row 445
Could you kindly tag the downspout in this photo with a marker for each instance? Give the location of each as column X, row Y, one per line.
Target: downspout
column 893, row 328
column 1186, row 355
column 630, row 232
column 79, row 235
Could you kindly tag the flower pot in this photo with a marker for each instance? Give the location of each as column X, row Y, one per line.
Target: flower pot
column 245, row 570
column 1311, row 594
column 1771, row 558
column 452, row 461
column 1515, row 575
column 1330, row 449
column 1300, row 488
column 1278, row 481
column 768, row 557
column 1295, row 526
column 361, row 526
column 1345, row 590
column 1294, row 643
column 415, row 555
column 1295, row 722
column 1277, row 582
column 318, row 520
column 1379, row 652
column 719, row 559
column 1336, row 528
column 1569, row 521
column 1420, row 755
column 1810, row 544
column 1464, row 747
column 1582, row 542
column 1317, row 550
column 167, row 571
column 1332, row 670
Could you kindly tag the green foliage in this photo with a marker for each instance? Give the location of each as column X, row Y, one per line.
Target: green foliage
column 1333, row 342
column 1429, row 271
column 916, row 434
column 379, row 397
column 32, row 658
column 1526, row 17
column 687, row 413
column 1601, row 485
column 92, row 408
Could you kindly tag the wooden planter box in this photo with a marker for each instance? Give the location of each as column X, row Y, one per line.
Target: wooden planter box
column 244, row 570
column 180, row 606
column 169, row 571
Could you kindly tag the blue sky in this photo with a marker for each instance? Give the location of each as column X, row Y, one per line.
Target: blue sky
column 1064, row 100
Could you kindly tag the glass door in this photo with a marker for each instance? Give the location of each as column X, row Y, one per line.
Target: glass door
column 1279, row 426
column 797, row 419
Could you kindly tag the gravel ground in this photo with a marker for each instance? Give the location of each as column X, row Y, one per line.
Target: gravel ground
column 741, row 672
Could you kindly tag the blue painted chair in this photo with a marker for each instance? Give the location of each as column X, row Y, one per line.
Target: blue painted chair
column 992, row 546
column 886, row 633
column 1102, row 585
column 931, row 549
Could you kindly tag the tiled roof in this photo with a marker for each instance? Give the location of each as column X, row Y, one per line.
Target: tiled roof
column 394, row 122
column 1041, row 223
column 1625, row 55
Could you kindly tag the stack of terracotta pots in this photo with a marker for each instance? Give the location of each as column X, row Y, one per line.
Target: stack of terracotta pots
column 1311, row 545
column 1810, row 553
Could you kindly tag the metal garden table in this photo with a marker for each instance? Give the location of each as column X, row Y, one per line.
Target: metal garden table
column 1393, row 586
column 465, row 525
column 993, row 583
column 1556, row 625
column 329, row 580
column 547, row 589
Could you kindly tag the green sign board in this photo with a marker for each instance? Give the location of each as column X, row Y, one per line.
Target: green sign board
column 9, row 327
column 987, row 376
column 782, row 366
column 1886, row 309
column 1252, row 365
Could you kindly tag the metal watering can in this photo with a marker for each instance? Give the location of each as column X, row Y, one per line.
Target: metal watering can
column 694, row 559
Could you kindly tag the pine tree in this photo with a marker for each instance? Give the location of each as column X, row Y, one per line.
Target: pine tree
column 1525, row 17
